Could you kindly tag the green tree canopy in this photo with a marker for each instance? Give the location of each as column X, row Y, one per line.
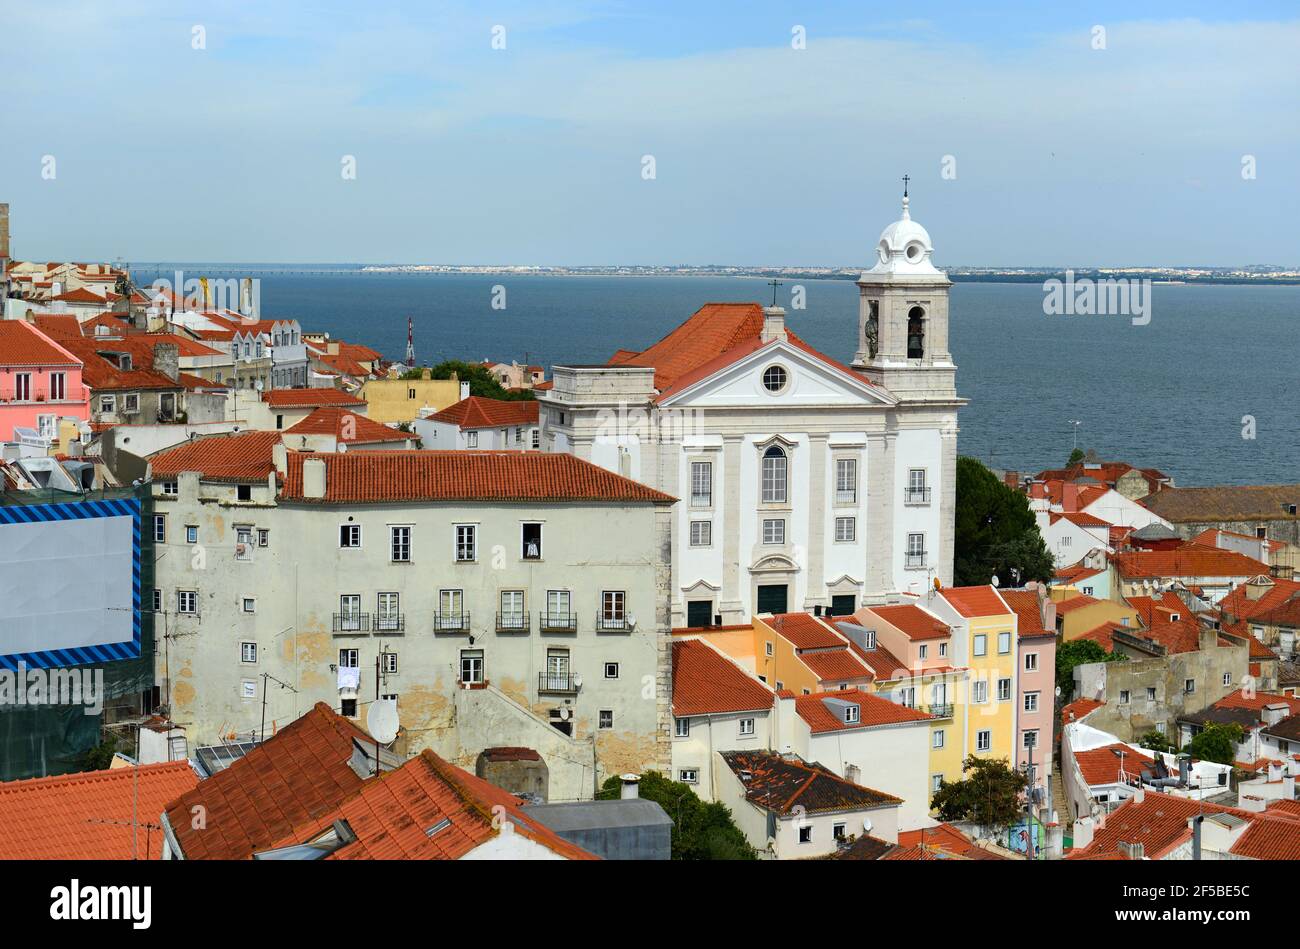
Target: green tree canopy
column 1076, row 457
column 1155, row 741
column 701, row 831
column 481, row 381
column 995, row 531
column 1217, row 743
column 989, row 796
column 1076, row 652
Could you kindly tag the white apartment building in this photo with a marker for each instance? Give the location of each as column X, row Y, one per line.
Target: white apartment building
column 512, row 599
column 805, row 483
column 479, row 423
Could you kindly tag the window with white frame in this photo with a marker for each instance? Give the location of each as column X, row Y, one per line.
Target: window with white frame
column 157, row 600
column 915, row 551
column 1031, row 701
column 349, row 535
column 390, row 662
column 846, row 481
column 512, row 609
column 979, row 691
column 191, row 533
column 349, row 658
column 846, row 530
column 187, row 602
column 701, row 484
column 943, row 650
column 1029, row 739
column 171, row 488
column 1189, row 686
column 612, row 607
column 531, row 540
column 746, row 727
column 471, row 439
column 936, row 783
column 160, row 528
column 1004, row 643
column 682, row 727
column 979, row 644
column 917, row 492
column 805, row 834
column 701, row 533
column 852, row 714
column 611, row 670
column 466, row 543
column 400, row 543
column 1031, row 662
column 388, row 612
column 923, row 651
column 937, row 738
column 248, row 652
column 775, row 476
column 471, row 666
column 250, row 605
column 688, row 775
column 1004, row 690
column 1227, row 678
column 983, row 740
column 774, row 530
column 605, row 718
column 58, row 386
column 107, row 404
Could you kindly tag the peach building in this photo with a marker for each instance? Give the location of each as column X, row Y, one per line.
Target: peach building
column 40, row 382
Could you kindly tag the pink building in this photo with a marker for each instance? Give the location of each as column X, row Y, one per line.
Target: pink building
column 1036, row 625
column 40, row 382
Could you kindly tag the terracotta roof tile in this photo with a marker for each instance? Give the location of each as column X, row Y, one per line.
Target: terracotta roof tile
column 1029, row 622
column 389, row 476
column 780, row 783
column 805, row 631
column 1079, row 709
column 243, row 457
column 834, row 664
column 346, row 427
column 478, row 412
column 1252, row 502
column 975, row 601
column 309, row 398
column 88, row 816
column 23, row 345
column 914, row 622
column 1190, row 560
column 1104, row 765
column 872, row 711
column 705, row 682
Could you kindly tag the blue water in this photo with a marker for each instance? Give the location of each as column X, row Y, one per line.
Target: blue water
column 1170, row 394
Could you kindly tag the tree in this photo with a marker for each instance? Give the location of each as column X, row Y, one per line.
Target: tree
column 1076, row 457
column 1217, row 743
column 1155, row 741
column 995, row 531
column 990, row 796
column 481, row 381
column 101, row 756
column 1076, row 652
column 700, row 831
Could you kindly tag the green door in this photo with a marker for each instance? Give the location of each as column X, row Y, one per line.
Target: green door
column 772, row 598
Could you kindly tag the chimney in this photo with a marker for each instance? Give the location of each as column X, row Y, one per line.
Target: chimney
column 1082, row 832
column 426, row 373
column 167, row 360
column 628, row 789
column 4, row 236
column 1248, row 802
column 464, row 391
column 313, row 478
column 1139, row 795
column 1069, row 497
column 1275, row 712
column 280, row 458
column 1132, row 851
column 773, row 323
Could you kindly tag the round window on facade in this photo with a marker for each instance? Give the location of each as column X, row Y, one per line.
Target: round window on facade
column 915, row 252
column 774, row 378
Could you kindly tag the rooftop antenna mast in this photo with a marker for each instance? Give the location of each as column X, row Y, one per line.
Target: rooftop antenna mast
column 410, row 342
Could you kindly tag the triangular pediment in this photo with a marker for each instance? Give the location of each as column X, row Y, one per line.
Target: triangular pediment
column 811, row 381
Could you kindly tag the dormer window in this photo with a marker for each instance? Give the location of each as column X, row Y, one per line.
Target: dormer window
column 851, row 714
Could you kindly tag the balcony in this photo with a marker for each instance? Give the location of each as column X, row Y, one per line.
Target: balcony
column 563, row 683
column 557, row 622
column 513, row 623
column 846, row 497
column 914, row 561
column 450, row 622
column 351, row 622
column 612, row 624
column 390, row 623
column 917, row 496
column 940, row 711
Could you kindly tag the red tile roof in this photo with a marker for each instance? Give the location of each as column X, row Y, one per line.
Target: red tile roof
column 1155, row 611
column 975, row 601
column 1070, row 604
column 243, row 457
column 947, row 838
column 913, row 622
column 1075, row 572
column 1190, row 560
column 394, row 816
column 478, row 412
column 1079, row 709
column 1029, row 622
column 873, row 711
column 308, row 398
column 80, row 295
column 56, row 326
column 390, row 476
column 1257, row 701
column 1183, row 635
column 103, row 375
column 89, row 815
column 705, row 682
column 346, row 427
column 1277, row 592
column 1269, row 839
column 1104, row 765
column 834, row 664
column 23, row 345
column 781, row 783
column 883, row 664
column 1158, row 822
column 1103, row 635
column 712, row 330
column 805, row 631
column 1287, row 614
column 1080, row 519
column 276, row 790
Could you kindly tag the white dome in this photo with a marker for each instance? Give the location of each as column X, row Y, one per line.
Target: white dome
column 904, row 248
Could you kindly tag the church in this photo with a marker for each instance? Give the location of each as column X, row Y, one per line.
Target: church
column 804, row 483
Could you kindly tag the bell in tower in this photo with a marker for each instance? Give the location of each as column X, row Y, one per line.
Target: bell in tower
column 903, row 316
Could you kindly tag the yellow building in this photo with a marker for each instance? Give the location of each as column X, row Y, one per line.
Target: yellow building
column 984, row 641
column 1078, row 613
column 910, row 652
column 400, row 400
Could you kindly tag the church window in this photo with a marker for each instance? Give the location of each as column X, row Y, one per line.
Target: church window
column 774, row 378
column 775, row 467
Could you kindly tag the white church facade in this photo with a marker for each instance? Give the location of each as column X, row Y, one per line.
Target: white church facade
column 804, row 483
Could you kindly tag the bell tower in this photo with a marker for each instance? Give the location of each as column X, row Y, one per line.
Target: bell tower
column 903, row 316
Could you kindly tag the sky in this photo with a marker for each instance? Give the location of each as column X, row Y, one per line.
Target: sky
column 751, row 133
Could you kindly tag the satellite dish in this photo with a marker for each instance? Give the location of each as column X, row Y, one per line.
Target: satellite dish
column 994, row 581
column 381, row 720
column 564, row 714
column 866, row 825
column 258, row 385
